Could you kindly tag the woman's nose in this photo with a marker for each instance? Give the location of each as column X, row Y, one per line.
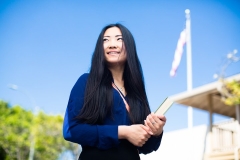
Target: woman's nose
column 112, row 44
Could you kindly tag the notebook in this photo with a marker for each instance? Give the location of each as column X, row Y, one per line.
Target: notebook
column 163, row 108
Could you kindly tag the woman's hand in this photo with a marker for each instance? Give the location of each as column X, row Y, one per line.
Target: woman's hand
column 136, row 134
column 155, row 123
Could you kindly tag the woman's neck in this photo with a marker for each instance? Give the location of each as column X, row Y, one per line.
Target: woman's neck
column 117, row 73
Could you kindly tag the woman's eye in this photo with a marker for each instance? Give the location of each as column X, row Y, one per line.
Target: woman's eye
column 120, row 39
column 105, row 39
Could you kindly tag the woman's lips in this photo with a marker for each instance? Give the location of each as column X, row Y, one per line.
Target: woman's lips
column 113, row 52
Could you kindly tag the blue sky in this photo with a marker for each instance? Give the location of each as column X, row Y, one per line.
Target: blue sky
column 46, row 45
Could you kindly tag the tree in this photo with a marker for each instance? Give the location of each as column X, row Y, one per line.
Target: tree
column 232, row 93
column 17, row 128
column 48, row 137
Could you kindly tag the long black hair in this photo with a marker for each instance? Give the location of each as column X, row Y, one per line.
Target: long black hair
column 98, row 99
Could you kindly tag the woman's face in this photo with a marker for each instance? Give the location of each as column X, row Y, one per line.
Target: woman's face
column 114, row 49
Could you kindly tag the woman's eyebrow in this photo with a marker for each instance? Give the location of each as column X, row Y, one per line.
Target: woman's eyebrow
column 115, row 36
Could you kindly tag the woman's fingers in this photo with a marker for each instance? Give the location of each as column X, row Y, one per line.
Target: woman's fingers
column 156, row 123
column 150, row 124
column 138, row 135
column 162, row 118
column 147, row 128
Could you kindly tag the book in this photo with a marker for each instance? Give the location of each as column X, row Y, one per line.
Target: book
column 163, row 108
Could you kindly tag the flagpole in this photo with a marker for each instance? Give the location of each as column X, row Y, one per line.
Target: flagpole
column 189, row 77
column 189, row 63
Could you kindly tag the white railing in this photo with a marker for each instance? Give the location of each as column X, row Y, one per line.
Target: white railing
column 224, row 136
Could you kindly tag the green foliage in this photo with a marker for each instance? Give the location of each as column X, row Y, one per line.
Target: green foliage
column 20, row 127
column 233, row 89
column 48, row 136
column 15, row 129
column 2, row 153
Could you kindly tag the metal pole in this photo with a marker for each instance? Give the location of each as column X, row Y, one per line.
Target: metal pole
column 32, row 144
column 189, row 78
column 236, row 151
column 210, row 121
column 238, row 123
column 189, row 62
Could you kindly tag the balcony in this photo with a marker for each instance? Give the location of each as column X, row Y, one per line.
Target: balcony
column 223, row 142
column 223, row 139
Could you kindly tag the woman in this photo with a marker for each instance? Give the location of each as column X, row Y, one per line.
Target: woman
column 108, row 112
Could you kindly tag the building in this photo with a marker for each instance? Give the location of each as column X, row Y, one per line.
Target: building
column 219, row 141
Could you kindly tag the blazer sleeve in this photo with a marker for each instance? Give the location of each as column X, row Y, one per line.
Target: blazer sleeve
column 151, row 145
column 100, row 136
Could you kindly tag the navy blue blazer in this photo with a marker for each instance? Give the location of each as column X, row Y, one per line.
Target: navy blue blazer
column 101, row 136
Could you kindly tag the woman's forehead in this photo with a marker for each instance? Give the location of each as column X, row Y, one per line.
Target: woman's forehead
column 113, row 31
